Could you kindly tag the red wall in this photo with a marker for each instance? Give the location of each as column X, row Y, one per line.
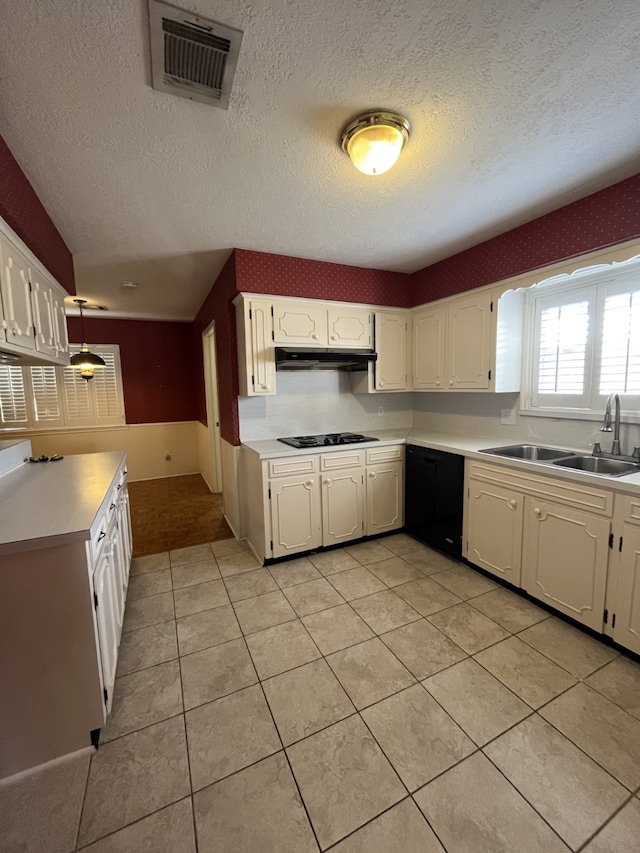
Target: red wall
column 160, row 367
column 218, row 308
column 280, row 275
column 21, row 208
column 595, row 222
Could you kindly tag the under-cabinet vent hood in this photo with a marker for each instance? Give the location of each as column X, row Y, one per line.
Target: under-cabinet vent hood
column 288, row 358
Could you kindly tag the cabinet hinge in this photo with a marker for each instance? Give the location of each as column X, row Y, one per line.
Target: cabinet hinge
column 491, row 308
column 620, row 544
column 271, row 544
column 469, row 492
column 613, row 621
column 273, row 335
column 95, row 601
column 605, row 616
column 106, row 695
column 272, row 310
column 269, row 494
column 253, row 379
column 30, row 288
column 611, row 540
column 489, row 376
column 250, row 314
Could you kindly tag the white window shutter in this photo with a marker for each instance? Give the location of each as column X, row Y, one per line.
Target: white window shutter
column 47, row 405
column 76, row 400
column 105, row 386
column 13, row 398
column 620, row 347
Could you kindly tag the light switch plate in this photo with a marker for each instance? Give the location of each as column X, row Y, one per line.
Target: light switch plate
column 508, row 416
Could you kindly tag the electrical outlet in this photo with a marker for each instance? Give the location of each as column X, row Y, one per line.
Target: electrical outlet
column 167, row 456
column 380, row 411
column 508, row 416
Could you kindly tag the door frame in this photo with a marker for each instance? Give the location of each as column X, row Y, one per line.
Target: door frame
column 213, row 405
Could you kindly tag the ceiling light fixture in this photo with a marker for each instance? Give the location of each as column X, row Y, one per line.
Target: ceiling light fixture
column 85, row 361
column 374, row 140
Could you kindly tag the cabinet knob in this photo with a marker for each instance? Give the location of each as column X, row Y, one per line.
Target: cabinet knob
column 437, row 381
column 537, row 511
column 314, row 336
column 309, row 483
column 372, row 476
column 334, row 337
column 265, row 387
column 513, row 504
column 451, row 382
column 381, row 383
column 327, row 482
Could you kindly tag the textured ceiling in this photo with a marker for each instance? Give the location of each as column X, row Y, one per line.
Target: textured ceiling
column 517, row 107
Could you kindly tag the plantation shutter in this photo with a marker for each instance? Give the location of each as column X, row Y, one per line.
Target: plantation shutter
column 106, row 387
column 47, row 405
column 562, row 351
column 75, row 394
column 13, row 398
column 620, row 352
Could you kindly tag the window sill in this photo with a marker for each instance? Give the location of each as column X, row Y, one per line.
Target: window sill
column 570, row 414
column 26, row 431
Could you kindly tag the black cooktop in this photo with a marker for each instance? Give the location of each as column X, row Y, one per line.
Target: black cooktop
column 329, row 440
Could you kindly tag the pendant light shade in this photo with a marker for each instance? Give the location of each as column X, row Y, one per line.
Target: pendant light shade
column 374, row 140
column 85, row 361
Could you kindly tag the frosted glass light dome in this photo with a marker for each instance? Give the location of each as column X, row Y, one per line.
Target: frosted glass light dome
column 374, row 141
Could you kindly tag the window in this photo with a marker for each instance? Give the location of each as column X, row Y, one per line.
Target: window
column 585, row 335
column 46, row 397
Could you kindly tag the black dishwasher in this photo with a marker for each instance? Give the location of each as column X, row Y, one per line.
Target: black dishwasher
column 434, row 486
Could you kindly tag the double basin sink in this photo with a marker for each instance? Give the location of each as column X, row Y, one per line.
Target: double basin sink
column 567, row 459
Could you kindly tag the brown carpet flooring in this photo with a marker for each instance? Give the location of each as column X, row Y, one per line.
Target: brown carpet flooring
column 173, row 513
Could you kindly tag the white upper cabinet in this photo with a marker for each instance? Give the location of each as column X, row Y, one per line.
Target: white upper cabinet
column 350, row 327
column 300, row 322
column 428, row 367
column 16, row 298
column 391, row 345
column 32, row 317
column 468, row 342
column 256, row 362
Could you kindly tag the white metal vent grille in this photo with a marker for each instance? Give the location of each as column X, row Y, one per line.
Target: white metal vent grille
column 192, row 57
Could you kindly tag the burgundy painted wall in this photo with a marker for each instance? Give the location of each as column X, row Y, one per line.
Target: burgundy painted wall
column 21, row 208
column 218, row 307
column 157, row 359
column 595, row 222
column 280, row 275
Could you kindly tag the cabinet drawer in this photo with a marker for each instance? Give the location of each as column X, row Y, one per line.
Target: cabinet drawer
column 630, row 508
column 385, row 454
column 293, row 465
column 333, row 461
column 569, row 492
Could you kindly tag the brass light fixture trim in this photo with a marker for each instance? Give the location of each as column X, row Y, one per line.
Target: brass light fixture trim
column 374, row 140
column 85, row 361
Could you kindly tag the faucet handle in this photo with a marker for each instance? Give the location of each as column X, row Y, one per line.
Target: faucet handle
column 597, row 450
column 636, row 453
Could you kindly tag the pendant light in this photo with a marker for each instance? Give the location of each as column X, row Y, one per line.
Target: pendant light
column 374, row 140
column 85, row 361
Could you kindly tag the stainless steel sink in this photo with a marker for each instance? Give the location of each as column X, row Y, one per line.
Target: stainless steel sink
column 532, row 452
column 599, row 465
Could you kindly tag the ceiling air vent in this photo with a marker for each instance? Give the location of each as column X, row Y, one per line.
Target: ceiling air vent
column 192, row 57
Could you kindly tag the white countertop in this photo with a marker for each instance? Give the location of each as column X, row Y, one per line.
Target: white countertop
column 52, row 503
column 465, row 445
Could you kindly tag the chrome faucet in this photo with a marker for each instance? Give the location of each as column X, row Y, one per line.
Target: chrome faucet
column 606, row 424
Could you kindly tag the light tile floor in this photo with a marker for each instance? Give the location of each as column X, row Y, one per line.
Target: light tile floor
column 376, row 698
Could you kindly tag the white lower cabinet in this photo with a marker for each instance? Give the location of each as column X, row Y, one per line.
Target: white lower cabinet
column 565, row 557
column 494, row 520
column 295, row 514
column 108, row 620
column 306, row 502
column 623, row 590
column 549, row 536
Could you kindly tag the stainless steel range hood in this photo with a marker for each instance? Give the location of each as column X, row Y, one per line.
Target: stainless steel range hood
column 289, row 358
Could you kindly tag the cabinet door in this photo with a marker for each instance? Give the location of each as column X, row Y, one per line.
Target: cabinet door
column 391, row 346
column 295, row 515
column 107, row 622
column 626, row 630
column 494, row 529
column 43, row 314
column 564, row 559
column 60, row 324
column 385, row 497
column 263, row 370
column 16, row 298
column 468, row 341
column 299, row 323
column 342, row 506
column 350, row 327
column 428, row 368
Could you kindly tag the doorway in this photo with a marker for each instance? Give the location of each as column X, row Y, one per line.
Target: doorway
column 213, row 472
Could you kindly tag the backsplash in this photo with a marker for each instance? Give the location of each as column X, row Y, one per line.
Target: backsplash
column 319, row 401
column 479, row 414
